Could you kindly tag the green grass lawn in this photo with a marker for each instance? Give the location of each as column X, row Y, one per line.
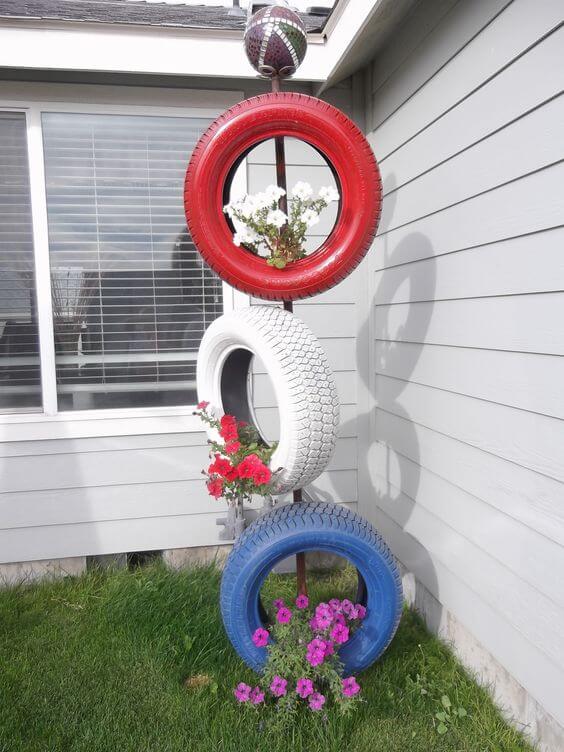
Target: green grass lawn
column 100, row 663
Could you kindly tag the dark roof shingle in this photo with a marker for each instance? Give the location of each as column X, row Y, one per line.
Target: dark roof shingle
column 139, row 13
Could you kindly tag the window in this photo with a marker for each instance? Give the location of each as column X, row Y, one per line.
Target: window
column 20, row 383
column 103, row 296
column 131, row 296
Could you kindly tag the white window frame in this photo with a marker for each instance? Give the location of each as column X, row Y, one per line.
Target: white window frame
column 34, row 100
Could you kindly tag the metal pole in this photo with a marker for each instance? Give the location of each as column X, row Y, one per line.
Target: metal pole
column 288, row 306
column 280, row 157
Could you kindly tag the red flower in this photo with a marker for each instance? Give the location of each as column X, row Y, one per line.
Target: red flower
column 246, row 468
column 253, row 467
column 228, row 430
column 262, row 474
column 215, row 487
column 223, row 467
column 202, row 405
column 232, row 447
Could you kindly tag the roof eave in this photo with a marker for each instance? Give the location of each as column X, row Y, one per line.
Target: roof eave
column 162, row 50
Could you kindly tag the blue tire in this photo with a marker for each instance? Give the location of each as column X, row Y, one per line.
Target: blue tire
column 316, row 526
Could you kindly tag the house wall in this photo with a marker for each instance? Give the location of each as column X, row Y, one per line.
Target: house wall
column 461, row 398
column 101, row 484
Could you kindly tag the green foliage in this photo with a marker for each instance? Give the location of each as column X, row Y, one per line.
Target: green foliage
column 448, row 715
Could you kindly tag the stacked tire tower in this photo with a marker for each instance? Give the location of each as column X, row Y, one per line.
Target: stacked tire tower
column 303, row 383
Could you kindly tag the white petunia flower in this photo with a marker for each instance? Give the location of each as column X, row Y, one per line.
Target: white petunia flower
column 328, row 194
column 228, row 209
column 242, row 239
column 248, row 206
column 302, row 191
column 274, row 192
column 245, row 236
column 277, row 218
column 309, row 217
column 262, row 201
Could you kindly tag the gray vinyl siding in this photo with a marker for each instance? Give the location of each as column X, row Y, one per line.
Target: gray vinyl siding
column 463, row 394
column 108, row 485
column 100, row 495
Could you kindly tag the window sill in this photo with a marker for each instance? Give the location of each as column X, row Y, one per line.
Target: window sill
column 98, row 423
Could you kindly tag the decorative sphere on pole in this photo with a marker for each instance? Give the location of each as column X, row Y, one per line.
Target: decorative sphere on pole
column 275, row 41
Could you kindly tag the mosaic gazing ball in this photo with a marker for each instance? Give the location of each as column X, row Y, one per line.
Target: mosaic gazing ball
column 275, row 41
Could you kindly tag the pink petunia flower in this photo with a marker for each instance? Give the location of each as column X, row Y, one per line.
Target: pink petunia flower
column 339, row 619
column 314, row 626
column 283, row 615
column 260, row 637
column 315, row 657
column 323, row 609
column 324, row 622
column 302, row 601
column 335, row 604
column 340, row 633
column 347, row 607
column 278, row 603
column 304, row 688
column 316, row 701
column 202, row 405
column 329, row 648
column 360, row 611
column 256, row 696
column 350, row 687
column 324, row 615
column 242, row 692
column 278, row 686
column 316, row 644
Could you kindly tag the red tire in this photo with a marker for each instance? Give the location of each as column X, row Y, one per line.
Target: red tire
column 348, row 154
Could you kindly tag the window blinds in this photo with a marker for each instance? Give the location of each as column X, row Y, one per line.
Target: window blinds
column 20, row 386
column 131, row 295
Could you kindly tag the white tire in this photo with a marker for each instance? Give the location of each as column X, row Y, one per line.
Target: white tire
column 305, row 390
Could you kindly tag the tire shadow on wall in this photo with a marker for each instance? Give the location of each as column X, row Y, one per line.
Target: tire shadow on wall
column 391, row 458
column 388, row 447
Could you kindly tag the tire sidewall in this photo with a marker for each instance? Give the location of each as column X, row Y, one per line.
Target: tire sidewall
column 347, row 151
column 240, row 598
column 211, row 360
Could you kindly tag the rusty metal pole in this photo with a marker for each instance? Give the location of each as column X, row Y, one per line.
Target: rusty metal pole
column 288, row 306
